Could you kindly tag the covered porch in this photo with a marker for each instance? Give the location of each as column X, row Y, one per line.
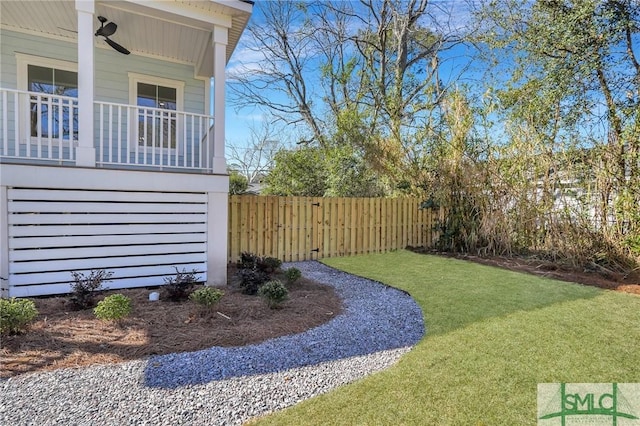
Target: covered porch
column 105, row 109
column 111, row 160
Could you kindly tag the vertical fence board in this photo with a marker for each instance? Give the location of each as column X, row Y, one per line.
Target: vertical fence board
column 326, row 229
column 354, row 246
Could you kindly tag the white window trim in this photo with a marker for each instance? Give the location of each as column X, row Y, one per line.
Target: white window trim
column 178, row 85
column 23, row 61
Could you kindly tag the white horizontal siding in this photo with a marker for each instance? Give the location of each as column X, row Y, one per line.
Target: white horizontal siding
column 113, row 196
column 101, row 239
column 55, row 252
column 40, row 290
column 139, row 236
column 103, row 230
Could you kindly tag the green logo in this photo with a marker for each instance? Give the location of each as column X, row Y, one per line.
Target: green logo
column 616, row 404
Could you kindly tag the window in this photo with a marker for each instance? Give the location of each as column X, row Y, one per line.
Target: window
column 158, row 100
column 156, row 121
column 48, row 116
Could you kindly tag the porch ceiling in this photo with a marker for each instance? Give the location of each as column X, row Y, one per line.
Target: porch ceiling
column 178, row 30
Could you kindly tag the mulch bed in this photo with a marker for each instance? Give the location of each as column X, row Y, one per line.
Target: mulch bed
column 63, row 337
column 628, row 283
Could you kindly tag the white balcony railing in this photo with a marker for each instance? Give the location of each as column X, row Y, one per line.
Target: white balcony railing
column 153, row 137
column 37, row 126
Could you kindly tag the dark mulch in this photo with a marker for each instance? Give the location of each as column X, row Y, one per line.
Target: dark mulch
column 610, row 280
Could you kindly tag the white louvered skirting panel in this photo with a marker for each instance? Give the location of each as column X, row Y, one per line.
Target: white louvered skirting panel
column 139, row 236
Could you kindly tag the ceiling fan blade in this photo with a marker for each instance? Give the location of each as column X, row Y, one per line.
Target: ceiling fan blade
column 108, row 29
column 116, row 46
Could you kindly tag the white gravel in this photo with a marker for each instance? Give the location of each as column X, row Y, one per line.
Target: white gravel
column 228, row 386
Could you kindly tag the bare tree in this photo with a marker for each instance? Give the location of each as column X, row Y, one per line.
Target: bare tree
column 256, row 159
column 281, row 79
column 363, row 74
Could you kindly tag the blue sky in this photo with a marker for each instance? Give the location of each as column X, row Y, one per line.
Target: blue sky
column 453, row 67
column 239, row 123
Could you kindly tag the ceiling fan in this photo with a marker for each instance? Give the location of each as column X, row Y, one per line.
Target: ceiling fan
column 108, row 30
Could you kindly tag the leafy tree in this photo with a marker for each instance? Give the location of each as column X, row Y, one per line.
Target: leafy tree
column 574, row 83
column 300, row 172
column 238, row 184
column 317, row 172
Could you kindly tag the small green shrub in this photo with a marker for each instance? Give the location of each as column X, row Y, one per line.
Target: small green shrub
column 113, row 308
column 16, row 314
column 274, row 293
column 292, row 275
column 85, row 287
column 179, row 285
column 206, row 296
column 254, row 271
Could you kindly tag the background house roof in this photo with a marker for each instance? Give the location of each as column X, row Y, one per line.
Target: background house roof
column 177, row 30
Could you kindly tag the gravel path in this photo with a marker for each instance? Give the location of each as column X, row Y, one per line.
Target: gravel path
column 226, row 386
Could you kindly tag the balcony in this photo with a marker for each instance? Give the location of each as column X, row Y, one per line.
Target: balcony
column 43, row 128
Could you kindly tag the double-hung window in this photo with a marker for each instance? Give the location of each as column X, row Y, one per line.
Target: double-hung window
column 157, row 116
column 51, row 105
column 158, row 101
column 53, row 116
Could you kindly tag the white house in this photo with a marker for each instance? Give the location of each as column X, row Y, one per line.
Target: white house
column 113, row 160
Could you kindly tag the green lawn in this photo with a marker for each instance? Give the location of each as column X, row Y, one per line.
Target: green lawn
column 492, row 336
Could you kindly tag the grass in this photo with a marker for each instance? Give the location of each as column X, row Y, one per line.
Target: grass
column 492, row 336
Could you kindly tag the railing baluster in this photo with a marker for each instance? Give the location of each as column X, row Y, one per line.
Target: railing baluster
column 17, row 127
column 101, row 138
column 49, row 125
column 196, row 135
column 153, row 137
column 145, row 139
column 184, row 152
column 72, row 130
column 110, row 139
column 5, row 124
column 119, row 130
column 60, row 129
column 189, row 143
column 131, row 114
column 201, row 132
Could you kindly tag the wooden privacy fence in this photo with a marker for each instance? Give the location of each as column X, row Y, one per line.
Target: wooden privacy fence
column 303, row 228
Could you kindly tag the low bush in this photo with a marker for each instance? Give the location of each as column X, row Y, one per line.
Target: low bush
column 269, row 264
column 247, row 260
column 113, row 308
column 251, row 280
column 206, row 296
column 254, row 271
column 16, row 314
column 84, row 288
column 253, row 261
column 274, row 293
column 179, row 285
column 292, row 275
